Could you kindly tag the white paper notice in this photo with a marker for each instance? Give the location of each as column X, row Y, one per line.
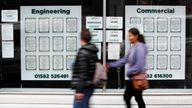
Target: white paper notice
column 9, row 15
column 162, row 62
column 162, row 43
column 97, row 36
column 30, row 44
column 150, row 62
column 71, row 25
column 44, row 44
column 98, row 45
column 30, row 25
column 30, row 62
column 44, row 26
column 114, row 36
column 58, row 62
column 44, row 62
column 70, row 61
column 175, row 43
column 58, row 43
column 175, row 61
column 71, row 43
column 114, row 22
column 7, row 49
column 7, row 31
column 135, row 20
column 58, row 25
column 148, row 25
column 162, row 24
column 150, row 43
column 113, row 51
column 94, row 22
column 175, row 24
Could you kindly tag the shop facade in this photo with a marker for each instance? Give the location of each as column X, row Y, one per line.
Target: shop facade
column 39, row 40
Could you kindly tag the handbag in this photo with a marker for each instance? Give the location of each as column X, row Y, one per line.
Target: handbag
column 140, row 81
column 100, row 77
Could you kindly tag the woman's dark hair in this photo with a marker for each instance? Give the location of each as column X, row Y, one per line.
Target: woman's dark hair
column 136, row 32
column 86, row 35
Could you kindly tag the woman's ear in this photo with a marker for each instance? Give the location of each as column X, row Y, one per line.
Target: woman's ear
column 137, row 37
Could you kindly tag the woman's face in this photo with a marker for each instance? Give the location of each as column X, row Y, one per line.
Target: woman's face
column 132, row 38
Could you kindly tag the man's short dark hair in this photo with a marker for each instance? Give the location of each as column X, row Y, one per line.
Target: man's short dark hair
column 86, row 35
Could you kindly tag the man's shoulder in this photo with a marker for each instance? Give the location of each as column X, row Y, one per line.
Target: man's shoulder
column 83, row 51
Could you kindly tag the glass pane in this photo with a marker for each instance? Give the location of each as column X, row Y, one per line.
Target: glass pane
column 115, row 36
column 10, row 68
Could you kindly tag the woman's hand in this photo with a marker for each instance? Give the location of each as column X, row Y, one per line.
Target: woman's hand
column 79, row 96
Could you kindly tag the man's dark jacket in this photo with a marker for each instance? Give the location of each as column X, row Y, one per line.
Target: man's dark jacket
column 84, row 68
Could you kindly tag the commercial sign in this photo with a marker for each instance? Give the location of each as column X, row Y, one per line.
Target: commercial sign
column 164, row 31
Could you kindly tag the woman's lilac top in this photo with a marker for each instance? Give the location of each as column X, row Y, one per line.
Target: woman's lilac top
column 135, row 58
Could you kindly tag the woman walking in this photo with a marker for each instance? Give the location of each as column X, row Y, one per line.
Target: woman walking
column 136, row 61
column 84, row 70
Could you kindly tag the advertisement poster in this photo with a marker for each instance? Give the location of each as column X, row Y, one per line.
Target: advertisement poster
column 114, row 36
column 114, row 22
column 93, row 22
column 113, row 51
column 7, row 31
column 164, row 28
column 49, row 34
column 9, row 15
column 7, row 49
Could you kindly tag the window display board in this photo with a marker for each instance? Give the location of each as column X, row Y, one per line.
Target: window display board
column 49, row 41
column 95, row 25
column 164, row 31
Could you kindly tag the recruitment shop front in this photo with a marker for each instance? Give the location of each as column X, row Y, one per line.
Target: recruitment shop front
column 40, row 39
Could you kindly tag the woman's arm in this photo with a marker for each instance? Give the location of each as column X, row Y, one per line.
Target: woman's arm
column 119, row 63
